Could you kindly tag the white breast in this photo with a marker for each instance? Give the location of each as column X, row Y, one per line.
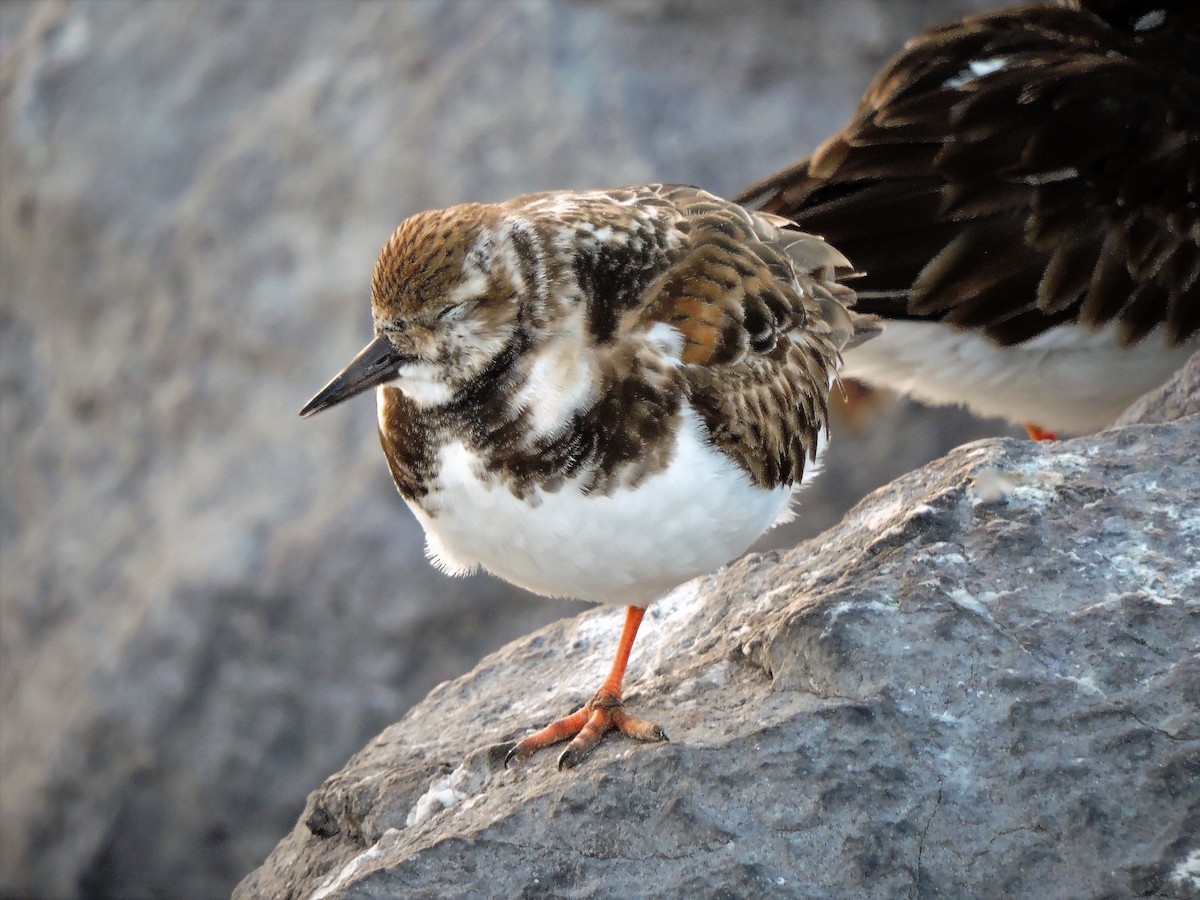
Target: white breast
column 1069, row 380
column 630, row 547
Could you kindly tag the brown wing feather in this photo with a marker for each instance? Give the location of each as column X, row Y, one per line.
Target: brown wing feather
column 1063, row 186
column 762, row 321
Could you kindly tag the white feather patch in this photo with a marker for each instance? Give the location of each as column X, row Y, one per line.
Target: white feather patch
column 976, row 68
column 559, row 378
column 1069, row 379
column 1152, row 19
column 423, row 383
column 668, row 341
column 630, row 547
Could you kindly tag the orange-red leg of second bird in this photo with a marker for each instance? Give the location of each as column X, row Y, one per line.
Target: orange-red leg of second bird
column 853, row 404
column 603, row 713
column 1040, row 434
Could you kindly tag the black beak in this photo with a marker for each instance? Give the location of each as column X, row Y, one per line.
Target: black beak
column 376, row 364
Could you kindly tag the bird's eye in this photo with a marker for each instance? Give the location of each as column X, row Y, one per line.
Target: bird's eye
column 452, row 313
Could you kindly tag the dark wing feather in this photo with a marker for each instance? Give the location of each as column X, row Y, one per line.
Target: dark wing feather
column 1062, row 185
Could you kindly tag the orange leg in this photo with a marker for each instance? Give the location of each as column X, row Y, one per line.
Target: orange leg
column 603, row 713
column 1040, row 434
column 853, row 403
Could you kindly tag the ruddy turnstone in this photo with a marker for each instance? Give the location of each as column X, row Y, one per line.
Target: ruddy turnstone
column 601, row 395
column 1021, row 190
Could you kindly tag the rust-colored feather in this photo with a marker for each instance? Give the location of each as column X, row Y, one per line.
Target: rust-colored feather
column 763, row 320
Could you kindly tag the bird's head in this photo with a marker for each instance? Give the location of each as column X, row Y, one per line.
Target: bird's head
column 451, row 289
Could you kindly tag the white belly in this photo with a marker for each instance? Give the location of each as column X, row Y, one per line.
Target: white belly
column 1069, row 380
column 627, row 548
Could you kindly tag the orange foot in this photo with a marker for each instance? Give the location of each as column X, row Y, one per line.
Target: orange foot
column 603, row 713
column 1040, row 434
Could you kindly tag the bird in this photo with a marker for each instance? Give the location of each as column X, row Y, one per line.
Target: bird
column 601, row 395
column 1020, row 190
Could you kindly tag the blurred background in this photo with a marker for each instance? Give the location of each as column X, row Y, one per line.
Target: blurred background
column 207, row 603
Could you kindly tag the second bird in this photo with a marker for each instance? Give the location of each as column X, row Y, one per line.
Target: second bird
column 1022, row 192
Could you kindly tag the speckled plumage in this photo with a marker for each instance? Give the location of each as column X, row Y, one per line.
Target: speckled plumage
column 1019, row 172
column 608, row 282
column 601, row 394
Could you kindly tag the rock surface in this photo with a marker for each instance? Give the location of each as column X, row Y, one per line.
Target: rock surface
column 1176, row 399
column 984, row 682
column 208, row 605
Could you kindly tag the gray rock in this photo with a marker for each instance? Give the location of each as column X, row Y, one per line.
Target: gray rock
column 208, row 605
column 1177, row 398
column 984, row 682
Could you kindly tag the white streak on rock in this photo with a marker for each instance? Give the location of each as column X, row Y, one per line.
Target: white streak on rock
column 350, row 869
column 1187, row 873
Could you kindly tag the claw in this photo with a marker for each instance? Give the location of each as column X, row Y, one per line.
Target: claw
column 638, row 729
column 554, row 733
column 513, row 754
column 585, row 728
column 603, row 713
